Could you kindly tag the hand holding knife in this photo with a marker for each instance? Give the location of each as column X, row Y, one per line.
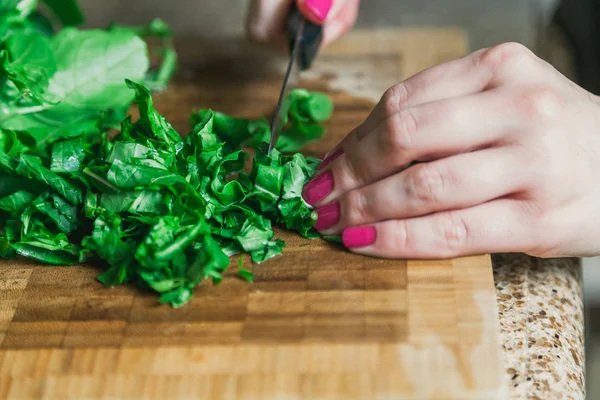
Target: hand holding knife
column 304, row 41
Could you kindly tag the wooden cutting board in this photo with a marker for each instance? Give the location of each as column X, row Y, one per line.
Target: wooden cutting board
column 318, row 323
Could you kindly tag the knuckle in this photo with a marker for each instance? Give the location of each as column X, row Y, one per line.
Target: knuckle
column 545, row 249
column 350, row 171
column 539, row 102
column 394, row 98
column 399, row 132
column 359, row 208
column 544, row 229
column 401, row 237
column 510, row 53
column 454, row 232
column 425, row 184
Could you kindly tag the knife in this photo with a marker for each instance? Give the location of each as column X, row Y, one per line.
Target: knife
column 304, row 42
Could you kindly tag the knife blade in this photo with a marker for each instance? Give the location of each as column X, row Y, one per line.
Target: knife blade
column 304, row 39
column 289, row 81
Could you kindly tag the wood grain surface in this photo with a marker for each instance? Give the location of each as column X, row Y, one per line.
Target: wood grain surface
column 318, row 322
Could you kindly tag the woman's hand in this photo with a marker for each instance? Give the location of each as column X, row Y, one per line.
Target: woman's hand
column 494, row 152
column 267, row 18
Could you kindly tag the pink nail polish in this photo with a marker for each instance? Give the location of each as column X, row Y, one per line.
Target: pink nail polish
column 328, row 216
column 319, row 8
column 315, row 190
column 329, row 158
column 359, row 237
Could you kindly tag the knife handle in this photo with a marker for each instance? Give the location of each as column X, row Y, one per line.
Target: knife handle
column 311, row 38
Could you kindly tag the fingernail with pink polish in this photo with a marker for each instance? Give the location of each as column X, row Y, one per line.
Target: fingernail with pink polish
column 319, row 8
column 316, row 190
column 328, row 216
column 359, row 237
column 330, row 158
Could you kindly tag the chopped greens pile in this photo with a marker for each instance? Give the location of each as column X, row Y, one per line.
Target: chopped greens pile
column 153, row 208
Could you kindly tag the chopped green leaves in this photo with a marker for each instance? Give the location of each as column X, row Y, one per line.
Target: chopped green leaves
column 307, row 110
column 154, row 209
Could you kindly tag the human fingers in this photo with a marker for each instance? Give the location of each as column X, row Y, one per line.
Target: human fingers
column 266, row 19
column 476, row 72
column 493, row 227
column 341, row 19
column 452, row 183
column 428, row 131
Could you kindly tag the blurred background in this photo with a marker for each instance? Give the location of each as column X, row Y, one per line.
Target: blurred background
column 564, row 32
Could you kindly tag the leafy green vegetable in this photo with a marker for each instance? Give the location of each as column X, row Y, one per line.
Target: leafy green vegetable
column 307, row 110
column 158, row 79
column 156, row 210
column 68, row 11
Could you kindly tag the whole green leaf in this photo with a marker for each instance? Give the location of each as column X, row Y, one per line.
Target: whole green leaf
column 91, row 68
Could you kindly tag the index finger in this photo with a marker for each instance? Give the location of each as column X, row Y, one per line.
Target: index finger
column 476, row 72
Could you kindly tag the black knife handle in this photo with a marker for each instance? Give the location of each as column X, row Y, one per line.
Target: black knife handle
column 311, row 38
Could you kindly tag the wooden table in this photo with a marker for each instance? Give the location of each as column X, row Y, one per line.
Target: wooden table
column 318, row 322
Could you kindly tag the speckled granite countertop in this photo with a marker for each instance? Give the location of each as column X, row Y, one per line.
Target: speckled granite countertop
column 540, row 304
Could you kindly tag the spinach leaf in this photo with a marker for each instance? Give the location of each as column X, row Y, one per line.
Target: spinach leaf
column 153, row 209
column 90, row 69
column 31, row 167
column 68, row 155
column 16, row 203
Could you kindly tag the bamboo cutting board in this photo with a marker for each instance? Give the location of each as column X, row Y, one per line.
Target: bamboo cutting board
column 318, row 322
